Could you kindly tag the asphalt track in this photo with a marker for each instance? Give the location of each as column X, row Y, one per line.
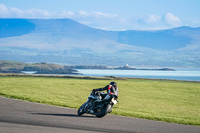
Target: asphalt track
column 18, row 116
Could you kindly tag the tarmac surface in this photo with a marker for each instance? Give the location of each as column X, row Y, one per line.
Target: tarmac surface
column 18, row 116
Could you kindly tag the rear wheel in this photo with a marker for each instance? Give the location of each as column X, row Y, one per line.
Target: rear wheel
column 81, row 109
column 104, row 111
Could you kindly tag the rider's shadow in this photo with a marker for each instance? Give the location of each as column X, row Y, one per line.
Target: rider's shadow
column 66, row 115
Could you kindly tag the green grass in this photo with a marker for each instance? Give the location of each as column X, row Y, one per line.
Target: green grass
column 170, row 101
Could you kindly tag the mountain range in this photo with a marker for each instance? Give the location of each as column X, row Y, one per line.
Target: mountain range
column 69, row 42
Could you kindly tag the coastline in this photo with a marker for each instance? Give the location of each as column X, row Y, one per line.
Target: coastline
column 86, row 77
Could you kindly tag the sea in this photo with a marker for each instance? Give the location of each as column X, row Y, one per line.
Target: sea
column 187, row 75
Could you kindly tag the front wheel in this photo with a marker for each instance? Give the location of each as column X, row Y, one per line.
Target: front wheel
column 106, row 110
column 81, row 109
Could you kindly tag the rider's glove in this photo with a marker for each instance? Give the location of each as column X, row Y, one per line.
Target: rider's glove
column 115, row 96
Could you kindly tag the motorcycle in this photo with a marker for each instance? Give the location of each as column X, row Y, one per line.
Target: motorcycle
column 98, row 104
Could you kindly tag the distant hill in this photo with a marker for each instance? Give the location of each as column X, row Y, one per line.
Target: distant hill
column 38, row 68
column 15, row 27
column 164, row 39
column 67, row 41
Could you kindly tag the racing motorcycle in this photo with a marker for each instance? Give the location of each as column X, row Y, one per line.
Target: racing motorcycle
column 98, row 104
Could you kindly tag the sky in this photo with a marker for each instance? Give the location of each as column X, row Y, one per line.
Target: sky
column 112, row 15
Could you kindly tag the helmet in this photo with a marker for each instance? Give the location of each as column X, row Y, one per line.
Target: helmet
column 113, row 84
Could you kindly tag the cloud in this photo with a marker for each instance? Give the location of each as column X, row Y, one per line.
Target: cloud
column 98, row 19
column 65, row 14
column 37, row 13
column 94, row 19
column 10, row 12
column 156, row 22
column 83, row 13
column 167, row 18
column 104, row 15
column 96, row 14
column 4, row 11
column 152, row 18
column 171, row 19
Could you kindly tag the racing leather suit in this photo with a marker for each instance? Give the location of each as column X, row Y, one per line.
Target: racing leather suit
column 110, row 90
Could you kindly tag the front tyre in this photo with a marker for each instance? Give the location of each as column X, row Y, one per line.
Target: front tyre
column 81, row 109
column 104, row 111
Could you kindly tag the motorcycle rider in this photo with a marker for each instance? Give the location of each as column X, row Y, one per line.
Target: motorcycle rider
column 112, row 89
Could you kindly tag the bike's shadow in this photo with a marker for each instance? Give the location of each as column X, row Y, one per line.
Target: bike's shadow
column 66, row 115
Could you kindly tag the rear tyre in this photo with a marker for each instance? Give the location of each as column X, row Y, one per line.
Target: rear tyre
column 81, row 109
column 104, row 111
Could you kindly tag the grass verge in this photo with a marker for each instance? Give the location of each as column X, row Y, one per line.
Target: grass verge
column 170, row 101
